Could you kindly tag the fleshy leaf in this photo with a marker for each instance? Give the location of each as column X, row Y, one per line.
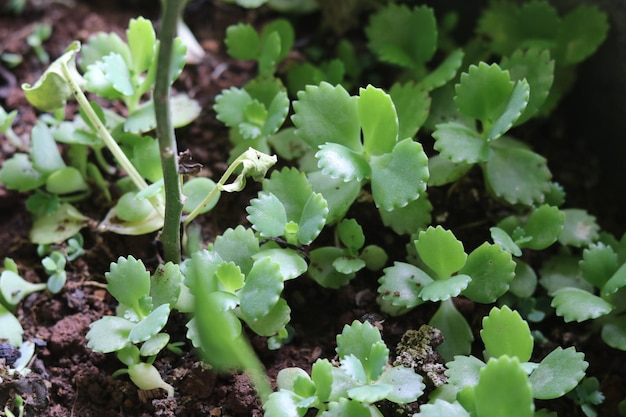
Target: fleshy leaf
column 351, row 234
column 242, row 41
column 347, row 265
column 544, row 227
column 322, row 376
column 321, row 267
column 580, row 228
column 407, row 385
column 464, row 371
column 292, row 265
column 582, row 31
column 460, row 143
column 18, row 173
column 109, row 334
column 51, row 90
column 44, row 151
column 457, row 334
column 445, row 72
column 229, row 105
column 363, row 341
column 150, row 325
column 537, row 68
column 562, row 271
column 165, row 285
column 517, row 175
column 327, row 114
column 345, row 407
column 339, row 195
column 614, row 332
column 58, row 226
column 405, row 220
column 338, row 161
column 491, row 269
column 574, row 304
column 401, row 284
column 558, row 373
column 312, row 219
column 141, row 41
column 273, row 322
column 442, row 408
column 262, row 289
column 391, row 35
column 514, row 108
column 504, row 332
column 379, row 121
column 599, row 263
column 484, row 92
column 128, row 281
column 443, row 171
column 267, row 215
column 399, row 177
column 504, row 390
column 616, row 282
column 10, row 328
column 502, row 238
column 441, row 251
column 412, row 104
column 443, row 289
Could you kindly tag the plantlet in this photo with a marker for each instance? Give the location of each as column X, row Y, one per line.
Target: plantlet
column 361, row 378
column 41, row 32
column 6, row 127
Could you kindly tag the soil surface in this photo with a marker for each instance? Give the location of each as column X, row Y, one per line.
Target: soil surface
column 68, row 379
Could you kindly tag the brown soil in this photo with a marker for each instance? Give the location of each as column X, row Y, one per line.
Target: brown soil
column 70, row 380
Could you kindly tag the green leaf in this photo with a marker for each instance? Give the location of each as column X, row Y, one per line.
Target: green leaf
column 442, row 408
column 351, row 234
column 150, row 325
column 273, row 322
column 229, row 105
column 562, row 271
column 141, row 41
column 616, row 282
column 535, row 66
column 17, row 173
column 484, row 92
column 262, row 289
column 455, row 329
column 525, row 282
column 267, row 215
column 322, row 270
column 517, row 175
column 599, row 263
column 358, row 339
column 583, row 30
column 312, row 219
column 504, row 390
column 339, row 195
column 460, row 143
column 155, row 344
column 464, row 371
column 444, row 289
column 117, row 73
column 580, row 228
column 338, row 161
column 102, row 44
column 412, row 104
column 544, row 227
column 10, row 327
column 291, row 263
column 345, row 407
column 400, row 287
column 229, row 277
column 491, row 269
column 502, row 239
column 406, row 220
column 379, row 121
column 445, row 72
column 242, row 41
column 399, row 177
column 348, row 265
column 128, row 281
column 614, row 332
column 283, row 404
column 558, row 373
column 403, row 36
column 369, row 393
column 504, row 332
column 327, row 114
column 514, row 108
column 51, row 90
column 165, row 285
column 14, row 288
column 109, row 334
column 441, row 251
column 237, row 245
column 285, row 31
column 322, row 376
column 574, row 304
column 44, row 151
column 57, row 227
column 444, row 171
column 291, row 188
column 269, row 54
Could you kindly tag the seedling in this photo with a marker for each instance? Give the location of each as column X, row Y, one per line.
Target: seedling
column 361, row 378
column 6, row 127
column 41, row 32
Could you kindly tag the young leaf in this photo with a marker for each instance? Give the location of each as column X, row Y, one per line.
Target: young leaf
column 614, row 332
column 445, row 72
column 285, row 31
column 406, row 220
column 558, row 373
column 351, row 234
column 504, row 332
column 599, row 263
column 165, row 285
column 464, row 371
column 262, row 289
column 17, row 173
column 237, row 245
column 504, row 240
column 141, row 41
column 267, row 215
column 109, row 334
column 580, row 228
column 392, row 40
column 576, row 44
column 514, row 108
column 544, row 227
column 616, row 282
column 455, row 329
column 400, row 287
column 491, row 269
column 322, row 376
column 399, row 177
column 339, row 195
column 291, row 263
column 562, row 271
column 272, row 323
column 358, row 339
column 10, row 327
column 441, row 251
column 379, row 121
column 504, row 390
column 242, row 41
column 44, row 151
column 574, row 304
column 460, row 143
column 327, row 114
column 442, row 408
column 407, row 386
column 128, row 281
column 150, row 325
column 346, row 407
column 57, row 227
column 322, row 270
column 443, row 289
column 412, row 104
column 338, row 161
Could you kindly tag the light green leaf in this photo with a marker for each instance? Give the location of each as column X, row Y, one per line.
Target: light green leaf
column 150, row 325
column 441, row 251
column 322, row 376
column 229, row 105
column 582, row 31
column 327, row 114
column 442, row 408
column 464, row 371
column 406, row 220
column 358, row 339
column 558, row 373
column 10, row 327
column 351, row 234
column 291, row 188
column 337, row 161
column 154, row 345
column 128, row 281
column 141, row 41
column 237, row 245
column 444, row 289
column 614, row 332
column 599, row 263
column 285, row 31
column 165, row 285
column 347, row 265
column 574, row 304
column 17, row 173
column 117, row 73
column 51, row 90
column 273, row 322
column 457, row 334
column 491, row 269
column 312, row 219
column 14, row 288
column 58, row 226
column 44, row 151
column 561, row 271
column 484, row 92
column 504, row 332
column 444, row 171
column 262, row 289
column 379, row 121
column 400, row 286
column 525, row 282
column 403, row 36
column 339, row 195
column 283, row 403
column 267, row 215
column 504, row 390
column 502, row 239
column 580, row 228
column 352, row 408
column 544, row 227
column 370, row 393
column 229, row 277
column 292, row 265
column 269, row 54
column 399, row 177
column 321, row 267
column 445, row 72
column 616, row 282
column 109, row 334
column 514, row 108
column 412, row 104
column 460, row 143
column 242, row 41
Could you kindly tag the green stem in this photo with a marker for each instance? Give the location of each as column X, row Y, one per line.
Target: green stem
column 170, row 235
column 106, row 137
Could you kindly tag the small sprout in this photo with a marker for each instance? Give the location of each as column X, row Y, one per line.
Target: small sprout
column 6, row 128
column 41, row 32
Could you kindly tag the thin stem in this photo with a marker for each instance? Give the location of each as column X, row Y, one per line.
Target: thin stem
column 106, row 137
column 170, row 235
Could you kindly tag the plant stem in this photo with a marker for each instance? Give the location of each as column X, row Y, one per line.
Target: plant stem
column 170, row 235
column 106, row 137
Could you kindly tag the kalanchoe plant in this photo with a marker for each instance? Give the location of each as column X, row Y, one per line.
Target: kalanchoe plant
column 508, row 383
column 361, row 378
